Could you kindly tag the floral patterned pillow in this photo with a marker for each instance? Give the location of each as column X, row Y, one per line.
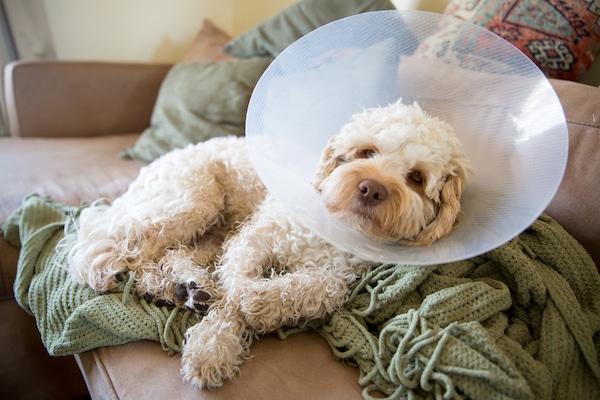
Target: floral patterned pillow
column 561, row 37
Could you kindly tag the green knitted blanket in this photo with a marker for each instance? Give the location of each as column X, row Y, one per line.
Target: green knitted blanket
column 520, row 322
column 73, row 318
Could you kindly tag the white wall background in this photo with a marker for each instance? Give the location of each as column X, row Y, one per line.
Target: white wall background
column 158, row 30
column 145, row 30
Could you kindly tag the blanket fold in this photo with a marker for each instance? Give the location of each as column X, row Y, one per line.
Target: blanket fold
column 519, row 322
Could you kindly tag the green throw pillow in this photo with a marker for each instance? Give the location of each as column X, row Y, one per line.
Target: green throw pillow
column 198, row 101
column 274, row 35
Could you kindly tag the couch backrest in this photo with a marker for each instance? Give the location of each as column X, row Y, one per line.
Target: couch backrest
column 576, row 205
column 80, row 98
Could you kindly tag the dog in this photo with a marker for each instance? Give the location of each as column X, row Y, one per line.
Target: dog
column 200, row 231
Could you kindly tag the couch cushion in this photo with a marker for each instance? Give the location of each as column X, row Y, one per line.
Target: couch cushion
column 204, row 96
column 68, row 170
column 198, row 101
column 562, row 38
column 56, row 98
column 300, row 367
column 207, row 45
column 273, row 35
column 575, row 205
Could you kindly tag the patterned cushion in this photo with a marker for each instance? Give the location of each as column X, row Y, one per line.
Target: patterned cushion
column 562, row 38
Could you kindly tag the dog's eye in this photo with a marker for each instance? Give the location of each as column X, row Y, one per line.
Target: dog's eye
column 365, row 153
column 415, row 177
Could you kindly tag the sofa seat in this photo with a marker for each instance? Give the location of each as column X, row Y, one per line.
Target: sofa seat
column 68, row 170
column 299, row 367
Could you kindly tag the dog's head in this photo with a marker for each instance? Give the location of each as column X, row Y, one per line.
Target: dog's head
column 396, row 174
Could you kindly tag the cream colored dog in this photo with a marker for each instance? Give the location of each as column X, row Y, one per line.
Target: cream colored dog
column 199, row 230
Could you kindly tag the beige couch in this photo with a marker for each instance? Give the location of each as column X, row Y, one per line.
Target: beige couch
column 68, row 122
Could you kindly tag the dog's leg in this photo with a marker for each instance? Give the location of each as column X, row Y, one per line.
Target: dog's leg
column 178, row 199
column 216, row 346
column 286, row 300
column 184, row 275
column 178, row 279
column 168, row 204
column 273, row 272
column 280, row 272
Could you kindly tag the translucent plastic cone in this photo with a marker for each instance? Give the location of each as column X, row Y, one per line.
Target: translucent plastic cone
column 502, row 107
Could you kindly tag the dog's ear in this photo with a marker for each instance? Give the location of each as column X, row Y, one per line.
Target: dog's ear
column 328, row 163
column 449, row 208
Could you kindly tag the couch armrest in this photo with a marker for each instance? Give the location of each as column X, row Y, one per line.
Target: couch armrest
column 80, row 98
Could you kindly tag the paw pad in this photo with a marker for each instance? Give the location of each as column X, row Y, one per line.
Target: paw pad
column 150, row 298
column 192, row 296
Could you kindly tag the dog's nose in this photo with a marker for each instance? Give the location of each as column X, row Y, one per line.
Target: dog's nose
column 371, row 192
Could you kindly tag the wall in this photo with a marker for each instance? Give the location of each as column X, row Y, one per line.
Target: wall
column 423, row 5
column 157, row 30
column 145, row 30
column 247, row 14
column 138, row 30
column 132, row 30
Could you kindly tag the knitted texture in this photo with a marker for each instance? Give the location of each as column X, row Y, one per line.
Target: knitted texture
column 520, row 322
column 73, row 318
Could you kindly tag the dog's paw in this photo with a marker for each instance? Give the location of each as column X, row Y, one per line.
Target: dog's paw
column 160, row 302
column 207, row 376
column 214, row 349
column 193, row 296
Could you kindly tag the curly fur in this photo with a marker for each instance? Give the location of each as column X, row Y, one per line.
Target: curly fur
column 199, row 230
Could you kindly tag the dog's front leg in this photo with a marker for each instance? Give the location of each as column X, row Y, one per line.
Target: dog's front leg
column 178, row 279
column 215, row 348
column 287, row 299
column 281, row 272
column 181, row 198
